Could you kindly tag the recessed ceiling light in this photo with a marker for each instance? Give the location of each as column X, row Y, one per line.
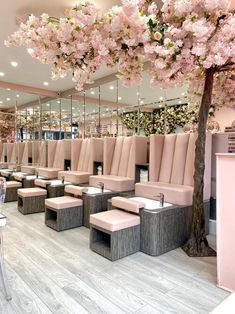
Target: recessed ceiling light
column 62, row 76
column 48, row 105
column 160, row 106
column 63, row 110
column 2, row 74
column 160, row 98
column 58, row 101
column 179, row 102
column 8, row 89
column 73, row 108
column 8, row 99
column 45, row 83
column 30, row 51
column 17, row 95
column 92, row 92
column 14, row 64
column 182, row 94
column 111, row 87
column 1, row 101
column 141, row 102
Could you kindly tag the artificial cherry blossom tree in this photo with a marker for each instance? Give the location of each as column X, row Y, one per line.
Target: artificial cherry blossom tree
column 194, row 40
column 186, row 41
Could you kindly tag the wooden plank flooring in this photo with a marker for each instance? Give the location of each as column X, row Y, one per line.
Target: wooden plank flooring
column 52, row 272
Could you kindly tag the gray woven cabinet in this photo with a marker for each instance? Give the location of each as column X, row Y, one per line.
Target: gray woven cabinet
column 166, row 229
column 64, row 218
column 28, row 183
column 55, row 190
column 95, row 203
column 117, row 244
column 31, row 205
column 11, row 194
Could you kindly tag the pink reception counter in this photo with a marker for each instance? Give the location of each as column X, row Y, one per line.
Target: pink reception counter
column 226, row 221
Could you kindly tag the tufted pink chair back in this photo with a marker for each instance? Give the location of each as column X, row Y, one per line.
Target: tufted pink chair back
column 4, row 152
column 27, row 153
column 1, row 152
column 11, row 152
column 172, row 159
column 122, row 153
column 90, row 150
column 20, row 148
column 58, row 151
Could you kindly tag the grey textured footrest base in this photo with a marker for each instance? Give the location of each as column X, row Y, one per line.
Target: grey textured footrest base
column 63, row 219
column 117, row 244
column 11, row 194
column 31, row 205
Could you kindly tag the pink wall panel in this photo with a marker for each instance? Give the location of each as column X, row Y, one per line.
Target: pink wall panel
column 232, row 4
column 226, row 221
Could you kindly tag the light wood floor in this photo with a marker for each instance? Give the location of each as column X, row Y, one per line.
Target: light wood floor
column 52, row 272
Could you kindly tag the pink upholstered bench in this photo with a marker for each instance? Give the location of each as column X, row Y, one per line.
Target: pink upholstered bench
column 62, row 213
column 75, row 190
column 55, row 188
column 115, row 234
column 11, row 191
column 31, row 200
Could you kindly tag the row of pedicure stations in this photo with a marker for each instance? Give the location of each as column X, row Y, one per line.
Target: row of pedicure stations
column 134, row 193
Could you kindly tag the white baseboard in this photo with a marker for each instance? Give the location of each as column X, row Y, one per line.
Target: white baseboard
column 212, row 227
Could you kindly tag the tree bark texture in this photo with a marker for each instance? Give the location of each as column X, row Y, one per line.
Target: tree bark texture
column 197, row 244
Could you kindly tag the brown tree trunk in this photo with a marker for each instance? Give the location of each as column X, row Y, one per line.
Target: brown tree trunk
column 197, row 244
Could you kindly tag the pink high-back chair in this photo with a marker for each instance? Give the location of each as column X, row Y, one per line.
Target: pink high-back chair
column 121, row 154
column 171, row 168
column 57, row 152
column 83, row 154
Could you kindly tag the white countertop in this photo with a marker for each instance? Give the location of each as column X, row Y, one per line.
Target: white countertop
column 226, row 154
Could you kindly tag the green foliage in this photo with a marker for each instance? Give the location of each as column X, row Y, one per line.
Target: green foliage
column 161, row 121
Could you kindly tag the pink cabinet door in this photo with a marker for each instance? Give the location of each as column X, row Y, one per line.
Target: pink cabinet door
column 226, row 221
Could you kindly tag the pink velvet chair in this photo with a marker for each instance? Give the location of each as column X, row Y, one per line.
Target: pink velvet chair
column 11, row 153
column 58, row 151
column 172, row 168
column 37, row 152
column 121, row 154
column 83, row 154
column 3, row 156
column 20, row 148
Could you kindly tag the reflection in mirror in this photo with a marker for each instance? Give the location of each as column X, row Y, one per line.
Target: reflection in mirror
column 108, row 112
column 55, row 119
column 37, row 122
column 92, row 112
column 66, row 126
column 78, row 114
column 128, row 100
column 46, row 120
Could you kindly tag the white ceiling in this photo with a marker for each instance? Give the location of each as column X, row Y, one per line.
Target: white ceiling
column 31, row 72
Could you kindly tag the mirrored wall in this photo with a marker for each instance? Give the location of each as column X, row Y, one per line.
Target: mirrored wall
column 106, row 110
